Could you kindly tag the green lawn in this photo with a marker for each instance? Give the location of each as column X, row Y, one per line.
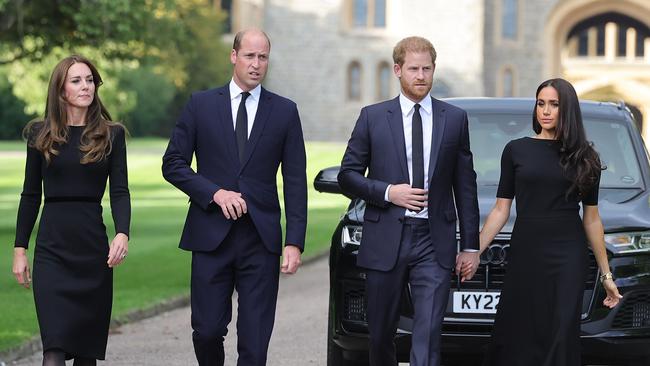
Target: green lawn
column 156, row 269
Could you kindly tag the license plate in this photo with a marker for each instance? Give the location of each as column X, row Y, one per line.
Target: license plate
column 470, row 302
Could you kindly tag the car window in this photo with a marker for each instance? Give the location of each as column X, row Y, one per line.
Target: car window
column 613, row 143
column 489, row 133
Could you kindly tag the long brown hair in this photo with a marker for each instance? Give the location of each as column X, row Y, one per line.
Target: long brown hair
column 52, row 130
column 579, row 160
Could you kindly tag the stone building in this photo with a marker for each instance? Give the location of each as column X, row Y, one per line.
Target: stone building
column 334, row 56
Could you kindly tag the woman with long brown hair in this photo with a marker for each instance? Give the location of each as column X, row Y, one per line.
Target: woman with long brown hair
column 549, row 174
column 71, row 153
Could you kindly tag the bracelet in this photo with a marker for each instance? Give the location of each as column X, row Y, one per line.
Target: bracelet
column 606, row 276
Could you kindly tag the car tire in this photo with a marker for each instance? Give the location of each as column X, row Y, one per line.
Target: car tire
column 334, row 352
column 644, row 362
column 462, row 361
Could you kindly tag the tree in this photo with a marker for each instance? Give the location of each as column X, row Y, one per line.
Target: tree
column 195, row 58
column 32, row 29
column 152, row 95
column 176, row 43
column 12, row 111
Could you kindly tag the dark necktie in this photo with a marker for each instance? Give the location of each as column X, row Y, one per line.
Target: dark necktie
column 241, row 126
column 417, row 152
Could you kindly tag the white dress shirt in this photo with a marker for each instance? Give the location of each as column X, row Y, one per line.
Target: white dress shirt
column 426, row 112
column 252, row 102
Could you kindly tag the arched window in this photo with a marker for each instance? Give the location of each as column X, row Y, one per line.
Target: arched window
column 506, row 85
column 383, row 80
column 590, row 36
column 508, row 82
column 368, row 13
column 509, row 19
column 227, row 7
column 380, row 13
column 354, row 81
column 360, row 13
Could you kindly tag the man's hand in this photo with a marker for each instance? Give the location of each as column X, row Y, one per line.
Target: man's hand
column 613, row 296
column 466, row 265
column 290, row 259
column 403, row 195
column 231, row 203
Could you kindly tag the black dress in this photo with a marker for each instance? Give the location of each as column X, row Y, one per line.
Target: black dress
column 73, row 285
column 538, row 318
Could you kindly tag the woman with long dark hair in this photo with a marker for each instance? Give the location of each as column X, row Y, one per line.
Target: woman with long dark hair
column 71, row 153
column 550, row 174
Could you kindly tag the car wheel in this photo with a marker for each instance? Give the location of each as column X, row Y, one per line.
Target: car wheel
column 462, row 361
column 334, row 352
column 644, row 362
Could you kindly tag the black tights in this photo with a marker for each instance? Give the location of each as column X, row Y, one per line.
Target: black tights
column 56, row 357
column 83, row 361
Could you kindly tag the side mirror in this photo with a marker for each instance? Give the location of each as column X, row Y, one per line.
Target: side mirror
column 326, row 180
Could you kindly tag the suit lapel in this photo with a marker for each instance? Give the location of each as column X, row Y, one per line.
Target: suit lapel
column 264, row 108
column 439, row 122
column 397, row 129
column 225, row 122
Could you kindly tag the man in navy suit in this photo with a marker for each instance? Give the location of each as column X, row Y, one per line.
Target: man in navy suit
column 420, row 180
column 240, row 134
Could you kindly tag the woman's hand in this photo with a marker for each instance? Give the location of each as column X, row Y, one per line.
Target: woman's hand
column 21, row 267
column 119, row 250
column 612, row 293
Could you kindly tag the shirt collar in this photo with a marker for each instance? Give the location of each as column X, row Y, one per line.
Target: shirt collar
column 235, row 90
column 407, row 105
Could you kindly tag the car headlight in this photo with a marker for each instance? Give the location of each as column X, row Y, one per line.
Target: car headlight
column 627, row 243
column 351, row 235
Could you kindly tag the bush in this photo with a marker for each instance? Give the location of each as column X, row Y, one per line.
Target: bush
column 153, row 94
column 12, row 112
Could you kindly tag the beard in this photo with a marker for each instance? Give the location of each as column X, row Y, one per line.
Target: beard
column 413, row 92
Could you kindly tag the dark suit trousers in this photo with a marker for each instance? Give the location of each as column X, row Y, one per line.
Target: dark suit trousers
column 429, row 283
column 241, row 263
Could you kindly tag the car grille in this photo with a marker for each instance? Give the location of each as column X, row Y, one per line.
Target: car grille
column 488, row 276
column 634, row 312
column 492, row 270
column 354, row 303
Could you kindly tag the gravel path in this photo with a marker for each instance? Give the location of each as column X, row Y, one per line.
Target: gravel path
column 299, row 336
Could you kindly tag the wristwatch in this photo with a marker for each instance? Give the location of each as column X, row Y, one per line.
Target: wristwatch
column 606, row 276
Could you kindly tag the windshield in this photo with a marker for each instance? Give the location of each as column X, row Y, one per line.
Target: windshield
column 489, row 133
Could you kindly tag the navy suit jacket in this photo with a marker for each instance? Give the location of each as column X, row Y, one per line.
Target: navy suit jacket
column 377, row 145
column 205, row 129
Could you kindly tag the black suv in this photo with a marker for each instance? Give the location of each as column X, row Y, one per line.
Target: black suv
column 619, row 336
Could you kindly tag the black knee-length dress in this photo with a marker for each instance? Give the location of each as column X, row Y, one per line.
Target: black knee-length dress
column 538, row 318
column 73, row 285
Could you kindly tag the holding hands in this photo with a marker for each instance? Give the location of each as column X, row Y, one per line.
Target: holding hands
column 467, row 264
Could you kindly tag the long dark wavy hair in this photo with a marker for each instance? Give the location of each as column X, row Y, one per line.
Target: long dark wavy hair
column 47, row 133
column 579, row 160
